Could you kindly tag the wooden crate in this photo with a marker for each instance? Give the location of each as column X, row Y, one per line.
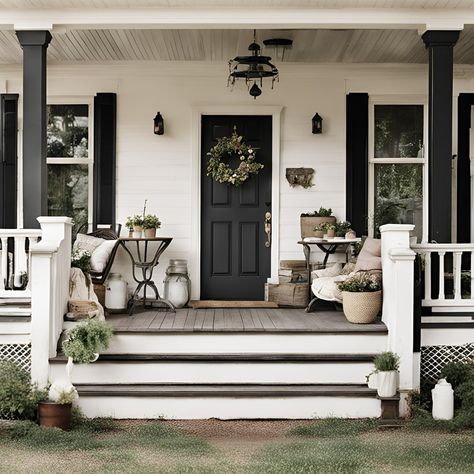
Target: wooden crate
column 288, row 294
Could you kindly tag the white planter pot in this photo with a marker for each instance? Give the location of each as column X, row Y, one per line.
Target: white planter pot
column 387, row 383
column 373, row 380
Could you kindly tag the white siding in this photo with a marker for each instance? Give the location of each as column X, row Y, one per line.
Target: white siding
column 158, row 168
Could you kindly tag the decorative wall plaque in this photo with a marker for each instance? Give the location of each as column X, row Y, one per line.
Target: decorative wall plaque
column 300, row 177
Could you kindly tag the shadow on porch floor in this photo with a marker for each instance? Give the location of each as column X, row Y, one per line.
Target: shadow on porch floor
column 240, row 320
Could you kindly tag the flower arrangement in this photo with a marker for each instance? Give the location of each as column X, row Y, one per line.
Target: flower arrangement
column 82, row 260
column 227, row 147
column 361, row 283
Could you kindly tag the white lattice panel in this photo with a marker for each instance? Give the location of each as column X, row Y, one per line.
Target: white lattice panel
column 19, row 353
column 434, row 358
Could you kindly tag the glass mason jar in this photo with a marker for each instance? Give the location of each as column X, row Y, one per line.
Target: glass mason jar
column 177, row 285
column 115, row 293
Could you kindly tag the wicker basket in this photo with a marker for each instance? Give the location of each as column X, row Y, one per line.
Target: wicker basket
column 81, row 306
column 361, row 308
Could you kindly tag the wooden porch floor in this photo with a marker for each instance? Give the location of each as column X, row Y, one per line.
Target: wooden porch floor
column 239, row 320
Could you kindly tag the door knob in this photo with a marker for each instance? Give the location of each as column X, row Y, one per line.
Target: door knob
column 267, row 226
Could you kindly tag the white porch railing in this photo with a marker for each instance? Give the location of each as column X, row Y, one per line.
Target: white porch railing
column 398, row 303
column 50, row 269
column 448, row 254
column 15, row 261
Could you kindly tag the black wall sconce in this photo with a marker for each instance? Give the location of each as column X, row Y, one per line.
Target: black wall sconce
column 158, row 124
column 317, row 122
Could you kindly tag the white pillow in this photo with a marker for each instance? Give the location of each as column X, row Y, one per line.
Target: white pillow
column 86, row 243
column 100, row 256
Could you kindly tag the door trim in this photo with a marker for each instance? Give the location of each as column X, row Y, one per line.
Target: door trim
column 197, row 113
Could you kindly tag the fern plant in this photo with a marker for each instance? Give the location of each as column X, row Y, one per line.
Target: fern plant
column 86, row 340
column 386, row 362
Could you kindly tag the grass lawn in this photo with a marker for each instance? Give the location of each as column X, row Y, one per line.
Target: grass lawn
column 343, row 446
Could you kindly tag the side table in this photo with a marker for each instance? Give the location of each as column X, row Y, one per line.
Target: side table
column 142, row 269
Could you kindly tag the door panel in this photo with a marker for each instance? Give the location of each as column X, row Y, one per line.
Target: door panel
column 235, row 263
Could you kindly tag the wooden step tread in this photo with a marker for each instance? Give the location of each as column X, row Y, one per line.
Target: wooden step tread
column 8, row 318
column 253, row 357
column 224, row 390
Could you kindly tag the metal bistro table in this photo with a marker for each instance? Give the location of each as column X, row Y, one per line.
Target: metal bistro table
column 145, row 268
column 329, row 247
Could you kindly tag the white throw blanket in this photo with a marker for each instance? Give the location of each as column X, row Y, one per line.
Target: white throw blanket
column 82, row 288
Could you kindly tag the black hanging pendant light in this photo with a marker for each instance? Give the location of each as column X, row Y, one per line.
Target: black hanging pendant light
column 253, row 69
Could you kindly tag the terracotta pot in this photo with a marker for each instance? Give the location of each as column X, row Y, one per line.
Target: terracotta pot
column 331, row 233
column 308, row 224
column 361, row 307
column 319, row 233
column 387, row 383
column 55, row 415
column 150, row 233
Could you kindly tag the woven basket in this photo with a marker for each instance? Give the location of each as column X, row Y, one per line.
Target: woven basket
column 81, row 306
column 361, row 308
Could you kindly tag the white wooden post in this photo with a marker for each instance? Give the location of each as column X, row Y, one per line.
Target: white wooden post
column 397, row 313
column 50, row 263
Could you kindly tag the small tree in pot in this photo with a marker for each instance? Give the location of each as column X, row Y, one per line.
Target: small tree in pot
column 361, row 297
column 387, row 365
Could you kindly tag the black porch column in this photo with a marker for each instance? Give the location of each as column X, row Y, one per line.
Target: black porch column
column 35, row 179
column 440, row 47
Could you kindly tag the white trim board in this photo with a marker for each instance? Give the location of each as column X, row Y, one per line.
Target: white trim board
column 197, row 113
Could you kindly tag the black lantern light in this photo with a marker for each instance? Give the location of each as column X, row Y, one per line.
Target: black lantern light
column 317, row 122
column 159, row 125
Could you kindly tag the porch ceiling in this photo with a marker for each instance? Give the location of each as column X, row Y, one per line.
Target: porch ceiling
column 47, row 4
column 310, row 46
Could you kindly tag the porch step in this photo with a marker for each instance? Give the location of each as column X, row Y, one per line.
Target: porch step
column 228, row 401
column 220, row 368
column 126, row 342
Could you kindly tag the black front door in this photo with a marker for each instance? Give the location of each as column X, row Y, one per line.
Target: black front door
column 235, row 262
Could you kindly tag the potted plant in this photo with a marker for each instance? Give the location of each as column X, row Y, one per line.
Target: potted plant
column 310, row 220
column 342, row 227
column 136, row 223
column 150, row 224
column 56, row 412
column 361, row 297
column 319, row 230
column 387, row 365
column 81, row 346
column 129, row 226
column 330, row 230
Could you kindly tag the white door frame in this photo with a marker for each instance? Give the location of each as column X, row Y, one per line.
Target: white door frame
column 198, row 112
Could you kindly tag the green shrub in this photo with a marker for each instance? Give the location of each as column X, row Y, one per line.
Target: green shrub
column 386, row 361
column 86, row 339
column 323, row 212
column 18, row 396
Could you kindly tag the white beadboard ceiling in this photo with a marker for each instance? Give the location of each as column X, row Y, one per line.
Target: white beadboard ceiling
column 310, row 46
column 327, row 4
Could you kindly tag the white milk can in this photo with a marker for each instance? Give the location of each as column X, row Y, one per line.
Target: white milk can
column 115, row 293
column 443, row 401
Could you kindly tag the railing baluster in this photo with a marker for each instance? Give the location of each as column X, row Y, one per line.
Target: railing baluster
column 427, row 259
column 20, row 260
column 441, row 295
column 4, row 263
column 472, row 276
column 457, row 274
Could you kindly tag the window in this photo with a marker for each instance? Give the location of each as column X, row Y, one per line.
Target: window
column 397, row 181
column 69, row 161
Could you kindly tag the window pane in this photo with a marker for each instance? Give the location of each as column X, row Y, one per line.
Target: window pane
column 67, row 135
column 399, row 196
column 398, row 131
column 68, row 193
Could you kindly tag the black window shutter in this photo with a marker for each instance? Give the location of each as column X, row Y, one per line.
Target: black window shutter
column 105, row 125
column 465, row 103
column 8, row 152
column 357, row 137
